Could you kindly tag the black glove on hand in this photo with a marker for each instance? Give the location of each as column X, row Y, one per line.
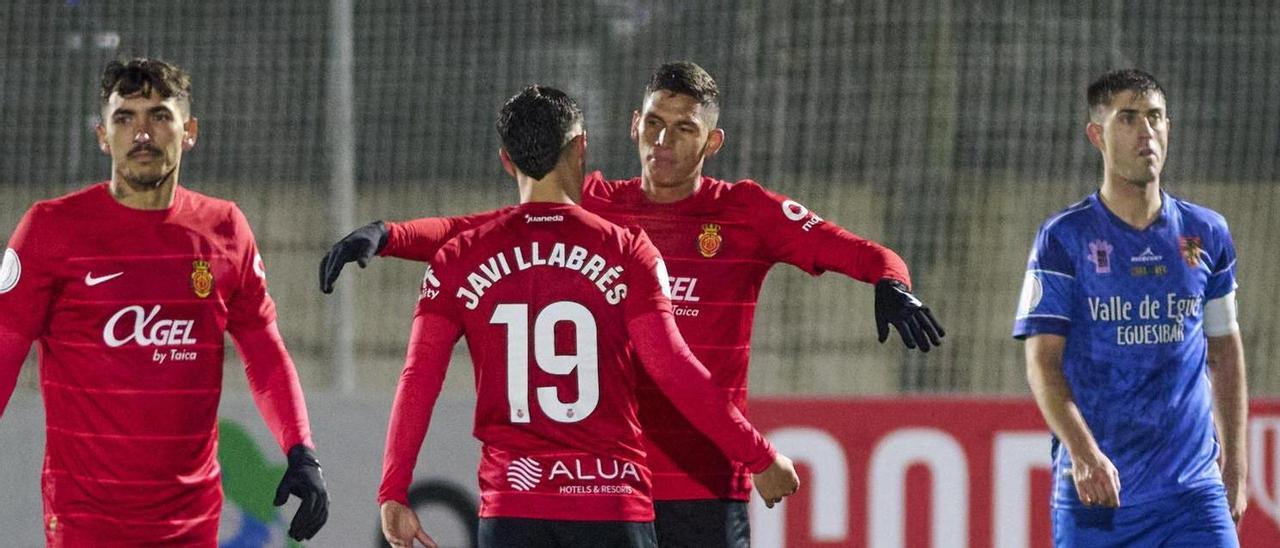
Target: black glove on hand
column 359, row 246
column 895, row 305
column 302, row 478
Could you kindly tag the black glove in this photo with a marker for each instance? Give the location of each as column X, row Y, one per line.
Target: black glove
column 897, row 306
column 303, row 479
column 359, row 246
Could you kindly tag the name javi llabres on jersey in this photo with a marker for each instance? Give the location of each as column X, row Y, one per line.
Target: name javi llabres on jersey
column 490, row 271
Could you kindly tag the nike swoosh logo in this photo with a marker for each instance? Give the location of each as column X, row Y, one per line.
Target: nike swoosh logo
column 91, row 281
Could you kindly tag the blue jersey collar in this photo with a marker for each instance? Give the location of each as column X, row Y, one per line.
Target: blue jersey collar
column 1162, row 219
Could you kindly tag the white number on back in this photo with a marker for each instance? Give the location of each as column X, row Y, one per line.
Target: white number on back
column 584, row 361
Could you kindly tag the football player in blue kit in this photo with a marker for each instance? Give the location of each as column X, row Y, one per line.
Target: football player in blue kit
column 1128, row 311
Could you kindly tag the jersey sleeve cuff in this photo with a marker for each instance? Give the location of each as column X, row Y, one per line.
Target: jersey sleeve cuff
column 401, row 497
column 1040, row 325
column 765, row 461
column 395, row 234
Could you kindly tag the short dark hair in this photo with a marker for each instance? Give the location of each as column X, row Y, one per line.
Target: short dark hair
column 535, row 125
column 1105, row 87
column 685, row 78
column 144, row 76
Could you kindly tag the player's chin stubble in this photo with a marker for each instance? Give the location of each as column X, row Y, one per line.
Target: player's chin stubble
column 146, row 180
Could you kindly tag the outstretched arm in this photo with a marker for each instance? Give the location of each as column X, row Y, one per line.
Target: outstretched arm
column 797, row 236
column 416, row 240
column 419, row 239
column 839, row 250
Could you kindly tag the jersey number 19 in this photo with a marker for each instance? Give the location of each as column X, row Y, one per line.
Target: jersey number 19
column 584, row 361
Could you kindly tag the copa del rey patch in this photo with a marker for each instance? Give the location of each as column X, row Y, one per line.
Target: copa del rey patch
column 10, row 270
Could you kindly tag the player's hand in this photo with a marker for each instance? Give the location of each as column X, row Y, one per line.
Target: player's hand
column 401, row 527
column 896, row 306
column 1237, row 494
column 303, row 479
column 1097, row 480
column 359, row 246
column 777, row 481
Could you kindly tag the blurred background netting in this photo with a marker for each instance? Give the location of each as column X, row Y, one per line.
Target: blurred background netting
column 947, row 130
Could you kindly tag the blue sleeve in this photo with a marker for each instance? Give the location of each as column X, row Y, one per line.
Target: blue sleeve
column 1047, row 289
column 1222, row 265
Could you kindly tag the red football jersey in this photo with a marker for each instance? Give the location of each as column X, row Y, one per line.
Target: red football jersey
column 546, row 295
column 718, row 245
column 129, row 308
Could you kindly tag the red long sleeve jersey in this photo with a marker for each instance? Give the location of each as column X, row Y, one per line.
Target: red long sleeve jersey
column 718, row 245
column 550, row 297
column 128, row 308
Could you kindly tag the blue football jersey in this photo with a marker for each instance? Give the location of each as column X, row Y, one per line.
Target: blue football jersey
column 1131, row 306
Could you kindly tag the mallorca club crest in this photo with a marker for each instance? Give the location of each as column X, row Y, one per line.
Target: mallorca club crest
column 1191, row 250
column 201, row 279
column 1100, row 256
column 709, row 241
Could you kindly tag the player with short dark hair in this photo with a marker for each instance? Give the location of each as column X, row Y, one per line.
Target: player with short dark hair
column 143, row 74
column 686, row 78
column 1128, row 310
column 128, row 286
column 534, row 127
column 1103, row 91
column 719, row 240
column 559, row 307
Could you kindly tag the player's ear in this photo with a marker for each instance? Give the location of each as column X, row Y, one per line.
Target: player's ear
column 579, row 146
column 190, row 129
column 635, row 126
column 1093, row 131
column 103, row 144
column 506, row 162
column 715, row 140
